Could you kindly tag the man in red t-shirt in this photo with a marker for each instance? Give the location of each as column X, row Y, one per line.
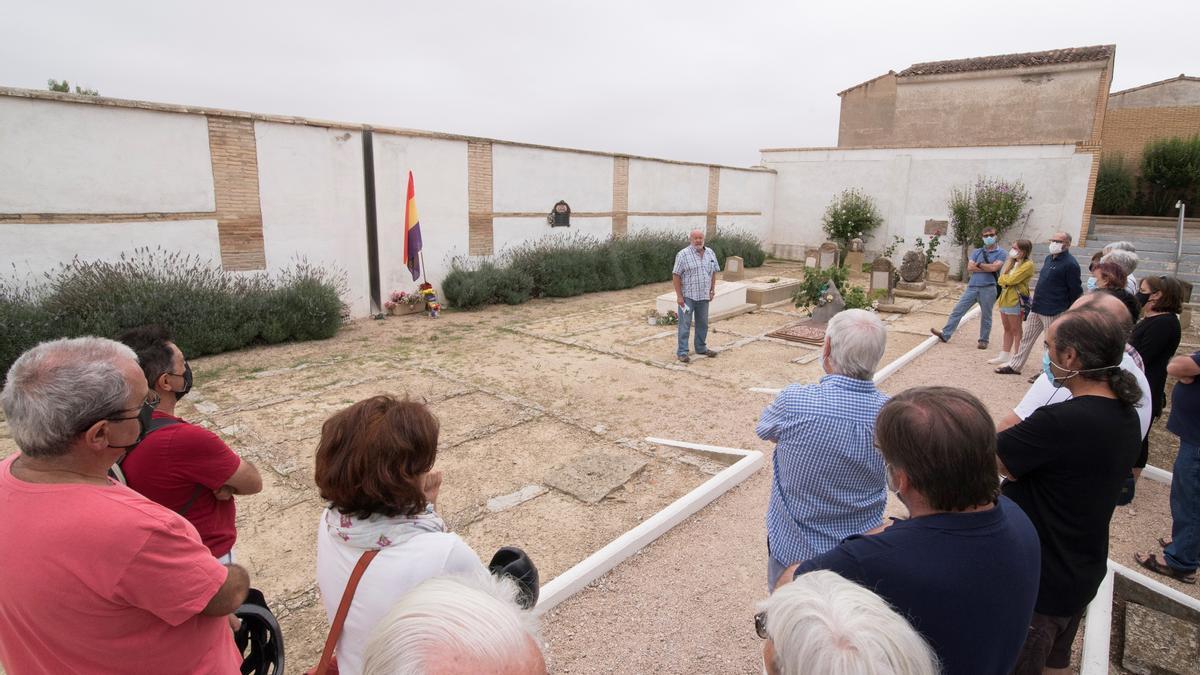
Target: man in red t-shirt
column 95, row 578
column 182, row 466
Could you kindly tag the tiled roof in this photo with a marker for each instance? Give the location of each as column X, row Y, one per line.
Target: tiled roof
column 1182, row 78
column 1003, row 61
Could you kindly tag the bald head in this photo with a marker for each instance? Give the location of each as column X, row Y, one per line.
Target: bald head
column 1108, row 302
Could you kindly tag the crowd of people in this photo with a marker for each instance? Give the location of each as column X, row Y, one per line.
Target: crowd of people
column 120, row 534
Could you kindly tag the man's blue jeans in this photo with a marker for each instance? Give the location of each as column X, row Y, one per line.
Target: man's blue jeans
column 986, row 297
column 699, row 310
column 1184, row 551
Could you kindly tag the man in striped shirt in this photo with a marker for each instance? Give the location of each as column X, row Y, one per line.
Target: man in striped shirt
column 695, row 278
column 829, row 479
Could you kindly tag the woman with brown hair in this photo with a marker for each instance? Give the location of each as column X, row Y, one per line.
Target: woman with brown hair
column 375, row 466
column 1014, row 283
column 1107, row 275
column 1156, row 337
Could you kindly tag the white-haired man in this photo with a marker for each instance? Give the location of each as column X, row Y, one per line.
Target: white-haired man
column 828, row 481
column 695, row 279
column 823, row 623
column 97, row 578
column 456, row 626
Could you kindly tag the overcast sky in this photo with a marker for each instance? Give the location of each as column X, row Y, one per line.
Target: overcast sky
column 680, row 79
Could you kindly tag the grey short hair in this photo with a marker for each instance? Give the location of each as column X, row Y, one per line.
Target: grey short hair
column 823, row 623
column 57, row 389
column 1120, row 246
column 476, row 617
column 857, row 339
column 1126, row 260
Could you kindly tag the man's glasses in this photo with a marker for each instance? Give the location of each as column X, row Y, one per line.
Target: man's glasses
column 151, row 402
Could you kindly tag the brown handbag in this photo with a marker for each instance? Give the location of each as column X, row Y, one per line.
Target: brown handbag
column 328, row 664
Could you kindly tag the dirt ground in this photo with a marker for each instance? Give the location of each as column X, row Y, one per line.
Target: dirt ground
column 522, row 390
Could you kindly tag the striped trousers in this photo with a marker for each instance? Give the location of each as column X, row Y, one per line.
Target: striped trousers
column 1034, row 325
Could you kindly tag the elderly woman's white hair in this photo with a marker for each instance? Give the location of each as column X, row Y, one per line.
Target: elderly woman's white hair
column 1126, row 260
column 856, row 340
column 824, row 624
column 466, row 624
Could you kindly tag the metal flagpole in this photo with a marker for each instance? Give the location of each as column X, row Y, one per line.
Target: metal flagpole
column 421, row 259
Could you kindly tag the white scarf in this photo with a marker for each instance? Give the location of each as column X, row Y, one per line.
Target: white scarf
column 380, row 531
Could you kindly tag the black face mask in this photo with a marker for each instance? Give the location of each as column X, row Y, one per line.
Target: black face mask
column 1142, row 298
column 187, row 381
column 145, row 414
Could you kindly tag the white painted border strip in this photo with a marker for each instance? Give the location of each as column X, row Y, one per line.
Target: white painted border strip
column 1156, row 474
column 1097, row 635
column 597, row 564
column 904, row 359
column 1097, row 632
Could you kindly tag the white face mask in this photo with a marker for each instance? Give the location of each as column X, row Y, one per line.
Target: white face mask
column 1055, row 248
column 1014, row 254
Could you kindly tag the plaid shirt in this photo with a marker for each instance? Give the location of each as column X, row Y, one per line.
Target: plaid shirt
column 828, row 481
column 696, row 272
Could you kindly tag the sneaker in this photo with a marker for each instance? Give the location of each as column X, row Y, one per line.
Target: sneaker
column 710, row 354
column 938, row 334
column 1002, row 357
column 683, row 358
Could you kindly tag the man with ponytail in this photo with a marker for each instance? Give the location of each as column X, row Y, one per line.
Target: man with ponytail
column 1065, row 466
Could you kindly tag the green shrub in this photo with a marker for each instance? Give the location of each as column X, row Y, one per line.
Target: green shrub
column 990, row 202
column 207, row 310
column 1114, row 186
column 570, row 265
column 1170, row 172
column 851, row 214
column 814, row 280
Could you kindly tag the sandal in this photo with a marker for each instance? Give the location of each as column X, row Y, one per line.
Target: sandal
column 1151, row 563
column 1006, row 370
column 1164, row 542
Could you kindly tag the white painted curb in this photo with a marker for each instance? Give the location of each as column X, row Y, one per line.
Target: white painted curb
column 904, row 359
column 597, row 564
column 1156, row 474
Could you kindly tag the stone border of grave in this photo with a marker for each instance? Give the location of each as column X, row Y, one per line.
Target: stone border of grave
column 901, row 361
column 575, row 579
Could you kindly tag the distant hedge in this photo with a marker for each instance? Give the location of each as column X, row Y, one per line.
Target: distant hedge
column 208, row 311
column 575, row 265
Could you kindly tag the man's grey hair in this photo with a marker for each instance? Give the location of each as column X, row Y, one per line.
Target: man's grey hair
column 1126, row 260
column 57, row 389
column 1120, row 246
column 857, row 339
column 475, row 618
column 823, row 623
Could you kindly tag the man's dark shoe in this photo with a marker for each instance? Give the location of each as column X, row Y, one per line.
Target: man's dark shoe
column 683, row 358
column 982, row 344
column 938, row 334
column 1005, row 370
column 710, row 354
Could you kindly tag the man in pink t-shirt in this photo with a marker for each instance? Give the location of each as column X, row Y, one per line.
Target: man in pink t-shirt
column 95, row 577
column 185, row 467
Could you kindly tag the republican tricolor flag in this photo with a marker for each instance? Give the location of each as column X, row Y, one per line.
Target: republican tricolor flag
column 412, row 232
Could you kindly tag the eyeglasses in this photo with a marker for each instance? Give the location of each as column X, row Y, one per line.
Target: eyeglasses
column 760, row 625
column 151, row 401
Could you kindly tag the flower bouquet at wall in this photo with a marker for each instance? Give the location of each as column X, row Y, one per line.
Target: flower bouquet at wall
column 400, row 302
column 429, row 296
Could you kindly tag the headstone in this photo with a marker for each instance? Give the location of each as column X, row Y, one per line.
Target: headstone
column 830, row 303
column 856, row 244
column 734, row 269
column 882, row 276
column 810, row 262
column 827, row 256
column 912, row 267
column 936, row 227
column 937, row 272
column 854, row 261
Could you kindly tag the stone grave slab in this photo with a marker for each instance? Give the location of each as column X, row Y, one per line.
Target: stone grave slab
column 937, row 272
column 1159, row 643
column 927, row 294
column 895, row 307
column 730, row 296
column 763, row 291
column 592, row 477
column 807, row 332
column 910, row 285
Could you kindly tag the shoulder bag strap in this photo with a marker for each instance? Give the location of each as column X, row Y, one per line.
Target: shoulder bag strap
column 335, row 631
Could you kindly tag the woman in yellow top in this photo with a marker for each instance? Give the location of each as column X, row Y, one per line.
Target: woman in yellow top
column 1014, row 282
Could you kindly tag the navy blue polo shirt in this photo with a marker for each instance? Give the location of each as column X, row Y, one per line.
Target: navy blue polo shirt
column 1184, row 421
column 966, row 581
column 1058, row 285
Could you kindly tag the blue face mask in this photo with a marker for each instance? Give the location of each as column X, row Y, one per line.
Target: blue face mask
column 1091, row 284
column 989, row 240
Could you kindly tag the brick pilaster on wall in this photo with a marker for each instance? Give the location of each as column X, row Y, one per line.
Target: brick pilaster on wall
column 620, row 200
column 234, row 154
column 479, row 198
column 1094, row 151
column 714, row 199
